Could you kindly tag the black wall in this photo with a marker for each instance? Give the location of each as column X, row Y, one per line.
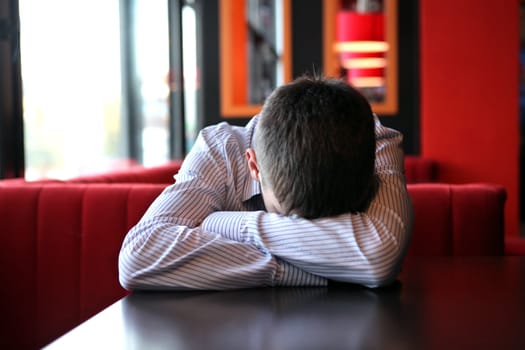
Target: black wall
column 307, row 56
column 11, row 121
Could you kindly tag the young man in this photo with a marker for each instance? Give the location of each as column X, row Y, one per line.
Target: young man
column 311, row 190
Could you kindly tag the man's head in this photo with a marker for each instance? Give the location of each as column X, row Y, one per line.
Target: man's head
column 314, row 149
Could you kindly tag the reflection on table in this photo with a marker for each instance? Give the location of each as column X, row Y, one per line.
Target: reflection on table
column 437, row 303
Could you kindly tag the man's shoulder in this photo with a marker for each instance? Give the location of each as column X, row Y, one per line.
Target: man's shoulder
column 383, row 132
column 224, row 132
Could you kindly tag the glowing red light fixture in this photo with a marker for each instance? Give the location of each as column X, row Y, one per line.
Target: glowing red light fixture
column 361, row 46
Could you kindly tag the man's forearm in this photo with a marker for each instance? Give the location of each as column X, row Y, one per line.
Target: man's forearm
column 364, row 248
column 158, row 255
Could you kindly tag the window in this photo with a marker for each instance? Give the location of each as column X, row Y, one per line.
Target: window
column 99, row 84
column 71, row 87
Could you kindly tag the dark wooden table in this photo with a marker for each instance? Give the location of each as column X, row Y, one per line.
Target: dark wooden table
column 438, row 303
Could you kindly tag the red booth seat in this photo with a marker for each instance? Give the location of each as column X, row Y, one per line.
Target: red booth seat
column 58, row 251
column 464, row 220
column 417, row 170
column 159, row 174
column 59, row 245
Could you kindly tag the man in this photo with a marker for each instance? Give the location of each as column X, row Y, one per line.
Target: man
column 311, row 190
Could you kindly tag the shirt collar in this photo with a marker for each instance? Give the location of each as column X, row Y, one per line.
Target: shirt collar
column 251, row 188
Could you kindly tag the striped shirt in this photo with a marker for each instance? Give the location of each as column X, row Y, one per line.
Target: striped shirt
column 209, row 229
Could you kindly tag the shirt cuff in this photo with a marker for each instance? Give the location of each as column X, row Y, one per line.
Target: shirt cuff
column 289, row 275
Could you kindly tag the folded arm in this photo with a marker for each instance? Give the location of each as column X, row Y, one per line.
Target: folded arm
column 168, row 249
column 366, row 248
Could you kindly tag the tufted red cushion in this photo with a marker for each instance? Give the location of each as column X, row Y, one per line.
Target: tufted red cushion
column 431, row 219
column 457, row 219
column 60, row 244
column 160, row 174
column 18, row 266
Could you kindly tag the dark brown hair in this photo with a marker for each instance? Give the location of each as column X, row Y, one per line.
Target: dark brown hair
column 315, row 144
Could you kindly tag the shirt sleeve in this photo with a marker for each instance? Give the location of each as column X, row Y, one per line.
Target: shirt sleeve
column 167, row 249
column 366, row 248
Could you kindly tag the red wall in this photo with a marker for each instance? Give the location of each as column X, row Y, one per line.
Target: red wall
column 469, row 93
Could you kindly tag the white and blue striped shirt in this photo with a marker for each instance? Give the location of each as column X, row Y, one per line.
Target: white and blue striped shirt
column 209, row 230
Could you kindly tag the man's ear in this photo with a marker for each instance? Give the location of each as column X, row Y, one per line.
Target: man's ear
column 252, row 164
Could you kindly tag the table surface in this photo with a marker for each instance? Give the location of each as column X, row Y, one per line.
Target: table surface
column 437, row 303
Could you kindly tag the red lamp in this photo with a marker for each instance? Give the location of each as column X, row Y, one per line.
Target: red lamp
column 361, row 46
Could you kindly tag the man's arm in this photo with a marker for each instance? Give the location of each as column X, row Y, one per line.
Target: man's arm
column 365, row 248
column 168, row 249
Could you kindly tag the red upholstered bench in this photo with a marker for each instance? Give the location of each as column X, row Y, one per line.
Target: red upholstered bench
column 417, row 170
column 461, row 220
column 59, row 245
column 160, row 174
